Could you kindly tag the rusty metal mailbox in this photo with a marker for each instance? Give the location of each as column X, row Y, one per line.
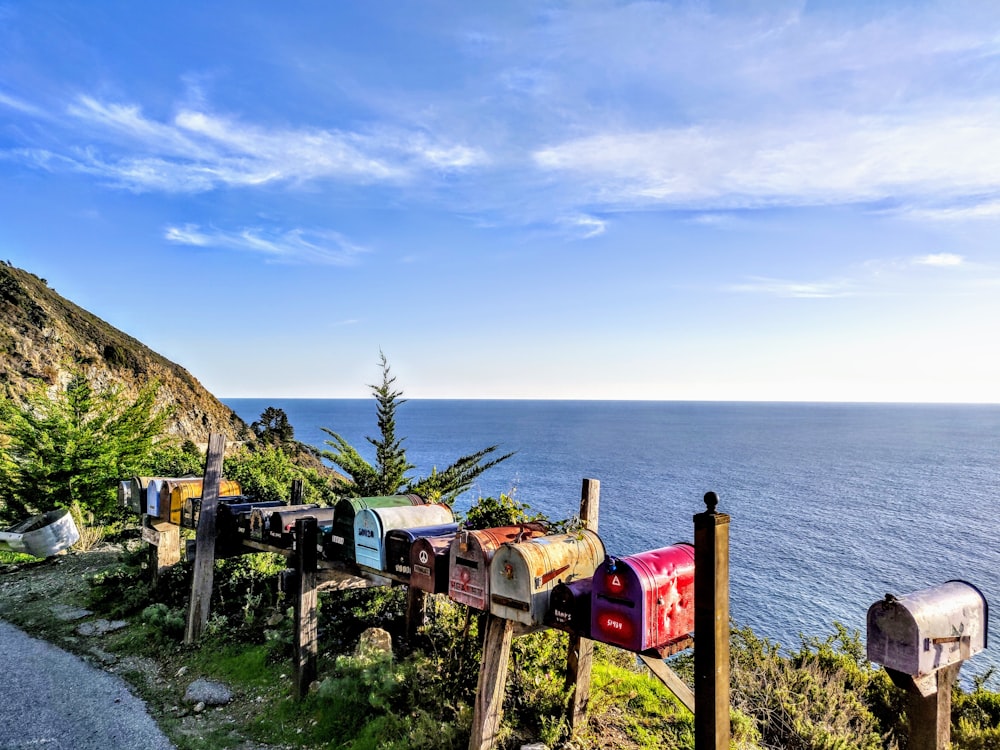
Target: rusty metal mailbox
column 644, row 601
column 927, row 630
column 569, row 607
column 429, row 563
column 522, row 575
column 372, row 524
column 281, row 524
column 399, row 545
column 338, row 542
column 469, row 559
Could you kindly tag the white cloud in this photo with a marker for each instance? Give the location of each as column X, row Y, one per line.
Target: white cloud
column 21, row 106
column 586, row 226
column 796, row 289
column 940, row 259
column 295, row 245
column 816, row 161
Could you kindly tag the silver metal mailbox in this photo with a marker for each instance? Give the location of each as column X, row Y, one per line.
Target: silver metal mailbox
column 522, row 575
column 927, row 630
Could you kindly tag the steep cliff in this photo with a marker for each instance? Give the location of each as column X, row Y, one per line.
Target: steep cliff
column 44, row 336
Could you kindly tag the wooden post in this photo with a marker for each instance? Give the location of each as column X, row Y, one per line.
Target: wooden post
column 492, row 683
column 929, row 716
column 711, row 627
column 164, row 541
column 204, row 561
column 306, row 631
column 296, row 498
column 415, row 600
column 580, row 659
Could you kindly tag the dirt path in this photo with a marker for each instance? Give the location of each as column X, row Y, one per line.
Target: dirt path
column 54, row 700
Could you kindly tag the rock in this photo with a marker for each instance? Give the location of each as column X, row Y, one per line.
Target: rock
column 207, row 692
column 66, row 613
column 274, row 619
column 535, row 746
column 100, row 627
column 375, row 640
column 181, row 672
column 199, row 707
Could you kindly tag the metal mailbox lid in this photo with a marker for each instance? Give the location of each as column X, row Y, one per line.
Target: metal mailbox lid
column 399, row 542
column 469, row 559
column 522, row 575
column 339, row 544
column 137, row 495
column 429, row 563
column 646, row 600
column 371, row 525
column 192, row 510
column 922, row 632
column 569, row 606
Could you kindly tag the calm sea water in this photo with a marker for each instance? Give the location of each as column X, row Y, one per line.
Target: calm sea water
column 832, row 505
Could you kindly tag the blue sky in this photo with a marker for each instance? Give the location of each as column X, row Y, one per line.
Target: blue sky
column 735, row 201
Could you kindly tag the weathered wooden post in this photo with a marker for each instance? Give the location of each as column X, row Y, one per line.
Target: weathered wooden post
column 204, row 561
column 711, row 627
column 306, row 631
column 164, row 541
column 580, row 659
column 488, row 711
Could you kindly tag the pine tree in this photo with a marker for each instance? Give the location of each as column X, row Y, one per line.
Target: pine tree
column 388, row 475
column 72, row 448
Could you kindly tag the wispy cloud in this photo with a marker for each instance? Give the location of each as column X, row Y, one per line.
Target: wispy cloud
column 199, row 150
column 584, row 226
column 796, row 289
column 836, row 159
column 11, row 102
column 293, row 246
column 946, row 260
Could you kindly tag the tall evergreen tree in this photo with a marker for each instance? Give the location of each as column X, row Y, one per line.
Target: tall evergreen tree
column 72, row 448
column 388, row 475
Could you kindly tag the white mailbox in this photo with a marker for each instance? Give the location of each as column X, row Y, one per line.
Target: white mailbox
column 928, row 630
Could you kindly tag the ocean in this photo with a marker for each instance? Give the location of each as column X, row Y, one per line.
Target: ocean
column 832, row 505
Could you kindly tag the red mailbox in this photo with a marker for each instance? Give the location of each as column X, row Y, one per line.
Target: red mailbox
column 429, row 563
column 469, row 560
column 644, row 601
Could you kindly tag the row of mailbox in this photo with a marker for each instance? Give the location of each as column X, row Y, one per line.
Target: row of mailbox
column 165, row 498
column 521, row 573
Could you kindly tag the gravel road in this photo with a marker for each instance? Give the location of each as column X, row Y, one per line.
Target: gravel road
column 52, row 700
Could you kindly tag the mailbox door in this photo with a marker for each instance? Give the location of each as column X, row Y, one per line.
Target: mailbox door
column 569, row 607
column 511, row 580
column 368, row 539
column 138, row 494
column 405, row 517
column 429, row 563
column 125, row 494
column 617, row 614
column 399, row 545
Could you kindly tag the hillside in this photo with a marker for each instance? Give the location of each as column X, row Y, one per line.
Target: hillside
column 43, row 336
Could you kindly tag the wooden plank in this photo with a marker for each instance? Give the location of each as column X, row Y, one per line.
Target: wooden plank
column 711, row 627
column 306, row 619
column 488, row 711
column 668, row 677
column 580, row 657
column 204, row 561
column 415, row 600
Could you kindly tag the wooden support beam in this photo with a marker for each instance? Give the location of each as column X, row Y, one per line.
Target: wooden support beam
column 415, row 600
column 488, row 710
column 204, row 561
column 164, row 541
column 580, row 657
column 668, row 677
column 711, row 627
column 306, row 620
